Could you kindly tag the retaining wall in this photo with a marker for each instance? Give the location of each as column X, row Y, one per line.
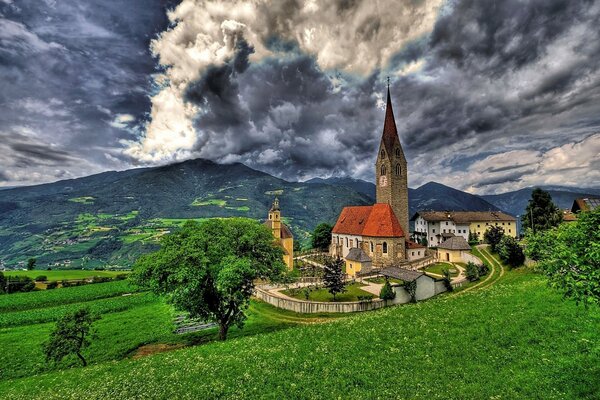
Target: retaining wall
column 312, row 307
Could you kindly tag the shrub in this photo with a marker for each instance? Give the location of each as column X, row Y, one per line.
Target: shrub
column 120, row 277
column 387, row 293
column 52, row 285
column 19, row 284
column 472, row 272
column 366, row 297
column 510, row 252
column 41, row 278
column 447, row 279
column 100, row 279
column 483, row 269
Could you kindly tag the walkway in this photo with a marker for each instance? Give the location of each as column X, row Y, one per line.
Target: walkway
column 494, row 265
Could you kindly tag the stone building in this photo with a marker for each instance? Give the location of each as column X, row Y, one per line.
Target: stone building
column 437, row 226
column 282, row 234
column 452, row 249
column 379, row 232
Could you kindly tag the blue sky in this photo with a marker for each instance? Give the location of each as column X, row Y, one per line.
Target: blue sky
column 489, row 96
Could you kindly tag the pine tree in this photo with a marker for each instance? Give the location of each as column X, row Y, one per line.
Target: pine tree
column 333, row 276
column 387, row 293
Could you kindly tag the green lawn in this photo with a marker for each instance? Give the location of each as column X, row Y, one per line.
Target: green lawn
column 128, row 322
column 59, row 275
column 437, row 268
column 518, row 339
column 209, row 202
column 381, row 280
column 351, row 294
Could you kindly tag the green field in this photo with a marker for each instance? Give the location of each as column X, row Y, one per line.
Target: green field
column 68, row 274
column 509, row 336
column 351, row 294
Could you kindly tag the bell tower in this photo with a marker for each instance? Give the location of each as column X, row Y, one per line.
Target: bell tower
column 275, row 218
column 390, row 169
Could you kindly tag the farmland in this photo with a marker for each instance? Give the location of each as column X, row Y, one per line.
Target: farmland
column 129, row 320
column 67, row 274
column 504, row 341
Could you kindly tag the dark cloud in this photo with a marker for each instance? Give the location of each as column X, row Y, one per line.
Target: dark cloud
column 36, row 152
column 68, row 69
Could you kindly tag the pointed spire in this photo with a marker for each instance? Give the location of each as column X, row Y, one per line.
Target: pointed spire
column 390, row 132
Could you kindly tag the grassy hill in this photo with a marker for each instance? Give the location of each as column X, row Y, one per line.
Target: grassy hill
column 113, row 217
column 514, row 339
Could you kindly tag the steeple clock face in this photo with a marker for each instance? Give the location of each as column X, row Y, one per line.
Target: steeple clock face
column 383, row 180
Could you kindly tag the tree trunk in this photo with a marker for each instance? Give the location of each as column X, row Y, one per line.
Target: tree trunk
column 82, row 359
column 223, row 328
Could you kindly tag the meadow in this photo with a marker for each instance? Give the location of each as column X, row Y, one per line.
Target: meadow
column 66, row 274
column 514, row 339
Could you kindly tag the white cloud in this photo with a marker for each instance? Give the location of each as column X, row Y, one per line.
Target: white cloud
column 358, row 40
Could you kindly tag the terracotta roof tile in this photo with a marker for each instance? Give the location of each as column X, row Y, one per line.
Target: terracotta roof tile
column 377, row 220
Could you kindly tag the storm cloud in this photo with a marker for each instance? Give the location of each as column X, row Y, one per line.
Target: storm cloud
column 489, row 96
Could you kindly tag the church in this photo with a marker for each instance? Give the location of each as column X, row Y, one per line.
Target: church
column 282, row 233
column 377, row 236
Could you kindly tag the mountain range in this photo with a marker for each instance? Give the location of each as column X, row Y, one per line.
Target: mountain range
column 113, row 217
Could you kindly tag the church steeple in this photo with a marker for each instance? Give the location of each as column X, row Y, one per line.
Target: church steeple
column 391, row 168
column 390, row 132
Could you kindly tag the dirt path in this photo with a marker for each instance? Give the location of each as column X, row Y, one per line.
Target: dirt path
column 491, row 278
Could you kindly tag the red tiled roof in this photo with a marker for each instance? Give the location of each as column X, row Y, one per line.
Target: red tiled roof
column 377, row 220
column 413, row 245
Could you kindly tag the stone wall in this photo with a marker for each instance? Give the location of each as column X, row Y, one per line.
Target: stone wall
column 312, row 307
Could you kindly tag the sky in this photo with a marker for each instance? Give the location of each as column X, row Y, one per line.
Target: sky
column 489, row 96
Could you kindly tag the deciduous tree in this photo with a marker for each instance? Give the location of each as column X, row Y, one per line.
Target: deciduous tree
column 511, row 252
column 321, row 237
column 570, row 257
column 71, row 335
column 493, row 235
column 541, row 213
column 31, row 263
column 208, row 269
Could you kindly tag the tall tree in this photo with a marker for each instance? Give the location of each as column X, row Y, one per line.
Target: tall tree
column 2, row 283
column 321, row 237
column 541, row 213
column 208, row 269
column 71, row 335
column 333, row 276
column 570, row 256
column 510, row 252
column 31, row 263
column 493, row 235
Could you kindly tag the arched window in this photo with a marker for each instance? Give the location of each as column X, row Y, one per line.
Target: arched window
column 397, row 152
column 382, row 153
column 398, row 169
column 383, row 171
column 384, row 247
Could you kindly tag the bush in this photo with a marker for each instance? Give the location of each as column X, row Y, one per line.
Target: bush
column 387, row 293
column 41, row 278
column 52, row 285
column 100, row 279
column 510, row 252
column 447, row 279
column 120, row 277
column 19, row 284
column 483, row 269
column 472, row 272
column 366, row 297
